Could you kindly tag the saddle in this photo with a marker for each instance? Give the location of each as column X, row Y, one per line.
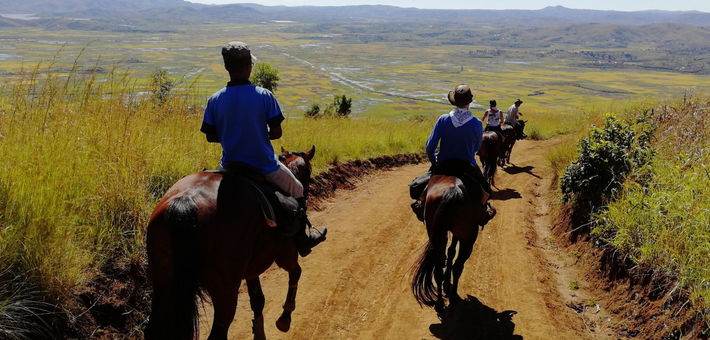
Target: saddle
column 280, row 211
column 459, row 169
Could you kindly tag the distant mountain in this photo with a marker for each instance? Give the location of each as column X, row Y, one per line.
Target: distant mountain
column 664, row 35
column 180, row 12
column 42, row 6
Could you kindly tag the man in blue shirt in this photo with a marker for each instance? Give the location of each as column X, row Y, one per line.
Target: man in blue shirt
column 458, row 135
column 244, row 119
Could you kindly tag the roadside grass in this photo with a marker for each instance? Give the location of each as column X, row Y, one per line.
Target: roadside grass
column 665, row 224
column 660, row 216
column 85, row 156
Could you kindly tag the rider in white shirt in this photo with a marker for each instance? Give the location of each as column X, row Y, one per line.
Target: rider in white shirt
column 493, row 118
column 511, row 118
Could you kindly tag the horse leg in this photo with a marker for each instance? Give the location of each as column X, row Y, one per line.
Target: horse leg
column 256, row 300
column 291, row 265
column 224, row 302
column 465, row 249
column 439, row 278
column 449, row 264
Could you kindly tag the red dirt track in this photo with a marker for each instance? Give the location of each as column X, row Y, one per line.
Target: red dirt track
column 356, row 285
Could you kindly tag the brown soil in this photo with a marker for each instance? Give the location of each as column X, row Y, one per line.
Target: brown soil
column 356, row 285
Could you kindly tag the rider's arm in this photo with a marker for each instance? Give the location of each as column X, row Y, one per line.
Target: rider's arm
column 210, row 132
column 275, row 130
column 432, row 143
column 209, row 127
column 274, row 117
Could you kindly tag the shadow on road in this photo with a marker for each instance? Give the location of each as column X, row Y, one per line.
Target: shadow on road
column 506, row 194
column 514, row 170
column 472, row 320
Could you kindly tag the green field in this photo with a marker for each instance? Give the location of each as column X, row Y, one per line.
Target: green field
column 396, row 77
column 86, row 151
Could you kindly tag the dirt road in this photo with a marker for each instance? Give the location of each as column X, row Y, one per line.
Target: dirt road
column 356, row 285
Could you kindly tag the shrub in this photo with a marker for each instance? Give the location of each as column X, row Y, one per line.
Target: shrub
column 342, row 105
column 605, row 158
column 313, row 111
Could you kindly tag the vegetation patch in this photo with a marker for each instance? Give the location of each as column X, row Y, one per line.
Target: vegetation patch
column 640, row 187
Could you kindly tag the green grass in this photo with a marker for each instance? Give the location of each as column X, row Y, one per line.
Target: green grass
column 665, row 224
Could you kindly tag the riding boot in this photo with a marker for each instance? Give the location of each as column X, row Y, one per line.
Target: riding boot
column 418, row 209
column 488, row 214
column 306, row 241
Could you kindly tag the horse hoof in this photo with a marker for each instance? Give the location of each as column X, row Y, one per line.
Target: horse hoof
column 283, row 324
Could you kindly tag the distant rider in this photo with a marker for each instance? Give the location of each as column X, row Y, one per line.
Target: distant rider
column 494, row 119
column 243, row 118
column 511, row 118
column 459, row 135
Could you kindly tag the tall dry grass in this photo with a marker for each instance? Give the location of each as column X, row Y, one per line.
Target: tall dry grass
column 85, row 156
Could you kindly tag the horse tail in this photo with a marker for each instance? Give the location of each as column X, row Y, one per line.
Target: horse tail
column 433, row 258
column 178, row 316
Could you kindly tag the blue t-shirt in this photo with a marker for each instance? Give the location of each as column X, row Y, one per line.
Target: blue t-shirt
column 238, row 114
column 457, row 143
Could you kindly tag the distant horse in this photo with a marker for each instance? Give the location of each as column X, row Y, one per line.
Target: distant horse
column 489, row 154
column 207, row 234
column 448, row 207
column 510, row 139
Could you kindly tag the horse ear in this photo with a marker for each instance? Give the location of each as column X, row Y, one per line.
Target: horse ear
column 283, row 150
column 311, row 152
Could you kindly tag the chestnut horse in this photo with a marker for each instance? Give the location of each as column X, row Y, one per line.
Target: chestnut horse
column 206, row 235
column 510, row 139
column 448, row 207
column 489, row 154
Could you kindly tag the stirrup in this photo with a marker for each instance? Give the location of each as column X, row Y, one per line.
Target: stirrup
column 484, row 197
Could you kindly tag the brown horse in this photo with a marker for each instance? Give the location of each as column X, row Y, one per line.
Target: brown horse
column 489, row 154
column 510, row 139
column 206, row 235
column 448, row 207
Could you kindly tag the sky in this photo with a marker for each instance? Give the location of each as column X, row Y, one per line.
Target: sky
column 616, row 5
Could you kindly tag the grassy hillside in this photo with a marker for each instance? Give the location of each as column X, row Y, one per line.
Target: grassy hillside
column 639, row 183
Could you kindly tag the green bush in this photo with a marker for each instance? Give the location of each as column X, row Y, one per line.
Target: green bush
column 663, row 221
column 606, row 157
column 312, row 111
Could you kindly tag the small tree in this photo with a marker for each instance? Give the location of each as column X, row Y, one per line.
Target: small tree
column 313, row 111
column 342, row 106
column 265, row 76
column 161, row 85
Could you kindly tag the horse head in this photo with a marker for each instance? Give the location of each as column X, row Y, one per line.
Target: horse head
column 299, row 163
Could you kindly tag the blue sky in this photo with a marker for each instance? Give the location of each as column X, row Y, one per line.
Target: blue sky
column 618, row 5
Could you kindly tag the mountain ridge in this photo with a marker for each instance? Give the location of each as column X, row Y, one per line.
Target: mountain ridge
column 135, row 9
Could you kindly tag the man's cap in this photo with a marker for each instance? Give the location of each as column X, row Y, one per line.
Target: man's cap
column 493, row 102
column 236, row 50
column 518, row 101
column 461, row 95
